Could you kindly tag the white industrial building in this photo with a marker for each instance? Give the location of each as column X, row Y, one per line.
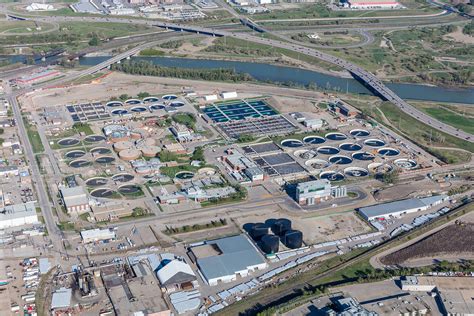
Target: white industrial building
column 413, row 284
column 371, row 4
column 223, row 260
column 18, row 215
column 75, row 199
column 95, row 235
column 400, row 208
column 229, row 95
column 312, row 192
column 314, row 123
column 40, row 7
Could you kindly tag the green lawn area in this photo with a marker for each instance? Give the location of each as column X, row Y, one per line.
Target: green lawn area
column 464, row 123
column 22, row 27
column 34, row 138
column 83, row 128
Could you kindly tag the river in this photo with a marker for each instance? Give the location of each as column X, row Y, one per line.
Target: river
column 283, row 74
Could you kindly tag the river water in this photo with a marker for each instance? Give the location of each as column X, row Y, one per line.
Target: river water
column 267, row 72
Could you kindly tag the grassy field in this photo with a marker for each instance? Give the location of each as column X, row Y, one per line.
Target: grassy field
column 34, row 138
column 422, row 134
column 12, row 27
column 456, row 120
column 410, row 55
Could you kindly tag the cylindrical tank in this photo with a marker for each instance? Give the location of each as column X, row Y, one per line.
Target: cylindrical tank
column 129, row 154
column 270, row 244
column 258, row 231
column 150, row 151
column 280, row 226
column 119, row 146
column 293, row 239
column 138, row 133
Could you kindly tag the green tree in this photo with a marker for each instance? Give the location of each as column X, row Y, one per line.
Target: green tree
column 198, row 154
column 94, row 41
column 142, row 95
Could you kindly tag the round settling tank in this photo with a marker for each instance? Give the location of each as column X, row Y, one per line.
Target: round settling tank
column 335, row 136
column 313, row 139
column 292, row 143
column 350, row 146
column 129, row 154
column 359, row 133
column 122, row 145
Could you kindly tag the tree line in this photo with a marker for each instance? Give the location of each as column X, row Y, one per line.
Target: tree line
column 147, row 68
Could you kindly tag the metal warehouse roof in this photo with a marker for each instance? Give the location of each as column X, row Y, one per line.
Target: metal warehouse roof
column 237, row 255
column 175, row 272
column 61, row 298
column 391, row 207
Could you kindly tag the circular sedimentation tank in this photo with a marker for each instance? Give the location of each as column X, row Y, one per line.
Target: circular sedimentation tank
column 292, row 143
column 314, row 139
column 156, row 107
column 184, row 175
column 350, row 146
column 169, row 97
column 405, row 163
column 374, row 142
column 150, row 151
column 73, row 154
column 95, row 182
column 79, row 163
column 335, row 136
column 379, row 168
column 128, row 189
column 122, row 145
column 331, row 176
column 327, row 150
column 177, row 104
column 105, row 159
column 102, row 193
column 133, row 102
column 138, row 109
column 363, row 155
column 100, row 151
column 123, row 177
column 305, row 154
column 114, row 104
column 129, row 154
column 388, row 152
column 94, row 138
column 317, row 163
column 359, row 133
column 151, row 99
column 119, row 112
column 270, row 244
column 149, row 142
column 68, row 142
column 356, row 172
column 340, row 160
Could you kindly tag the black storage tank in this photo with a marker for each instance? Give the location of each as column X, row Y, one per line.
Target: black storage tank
column 293, row 239
column 280, row 226
column 270, row 244
column 258, row 231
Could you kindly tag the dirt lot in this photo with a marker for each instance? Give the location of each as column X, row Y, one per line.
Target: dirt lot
column 316, row 229
column 406, row 190
column 456, row 240
column 116, row 84
column 459, row 36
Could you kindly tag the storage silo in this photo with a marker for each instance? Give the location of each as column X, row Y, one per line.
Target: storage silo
column 293, row 239
column 280, row 226
column 270, row 244
column 258, row 231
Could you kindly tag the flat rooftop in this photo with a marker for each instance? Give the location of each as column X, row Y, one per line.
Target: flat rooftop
column 226, row 256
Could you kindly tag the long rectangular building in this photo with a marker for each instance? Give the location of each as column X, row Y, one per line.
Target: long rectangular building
column 400, row 208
